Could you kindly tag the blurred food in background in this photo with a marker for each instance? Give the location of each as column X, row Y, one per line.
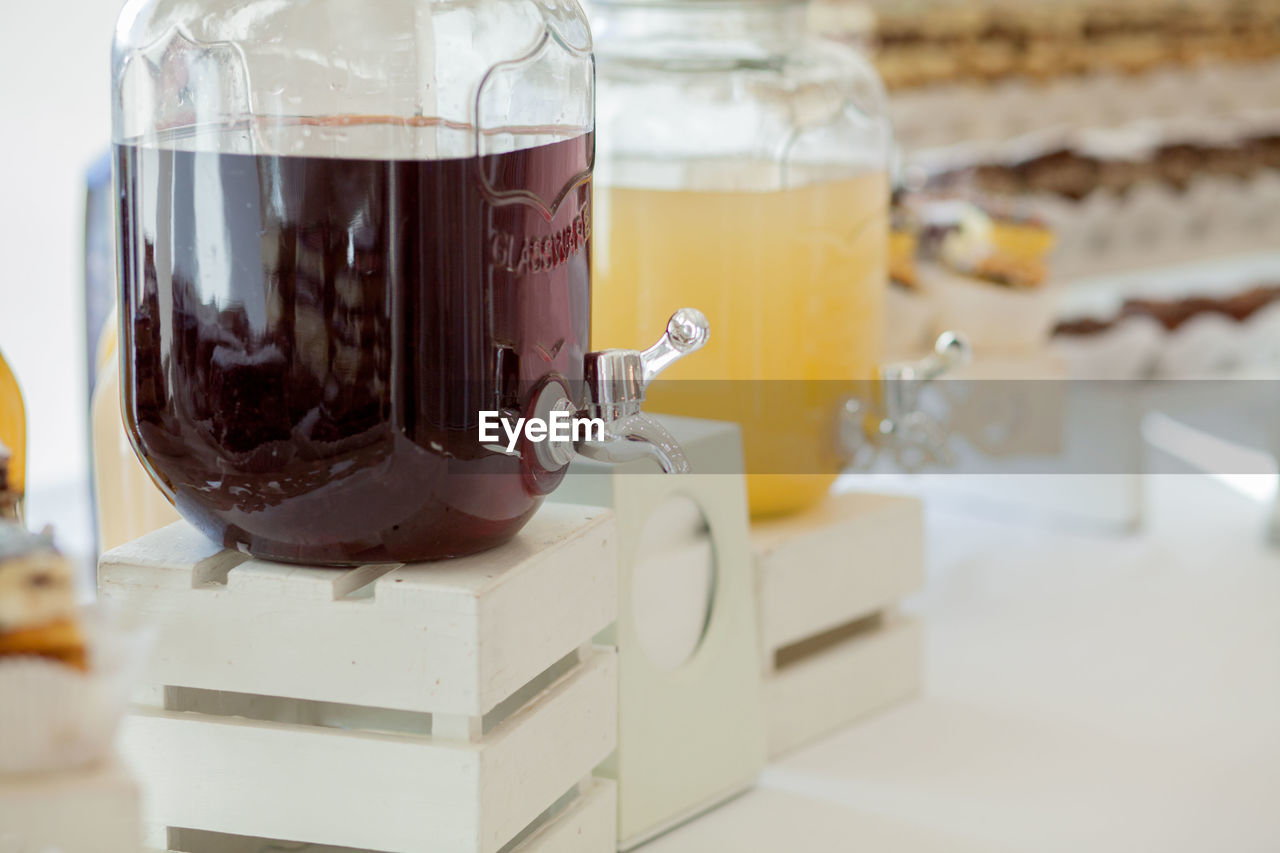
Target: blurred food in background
column 38, row 612
column 930, row 42
column 1145, row 132
column 982, row 269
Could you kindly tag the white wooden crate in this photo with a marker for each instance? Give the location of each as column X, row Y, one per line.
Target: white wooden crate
column 91, row 810
column 829, row 580
column 452, row 637
column 450, row 706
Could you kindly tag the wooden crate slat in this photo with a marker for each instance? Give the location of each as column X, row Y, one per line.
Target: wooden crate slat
column 259, row 577
column 835, row 687
column 395, row 793
column 589, row 825
column 850, row 556
column 534, row 757
column 176, row 555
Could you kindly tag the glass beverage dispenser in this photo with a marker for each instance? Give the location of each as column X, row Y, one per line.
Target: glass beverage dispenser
column 743, row 167
column 346, row 229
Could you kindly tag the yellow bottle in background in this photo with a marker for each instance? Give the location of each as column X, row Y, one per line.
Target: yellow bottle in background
column 793, row 282
column 128, row 504
column 13, row 429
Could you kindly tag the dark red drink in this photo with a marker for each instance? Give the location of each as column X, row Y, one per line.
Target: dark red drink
column 308, row 341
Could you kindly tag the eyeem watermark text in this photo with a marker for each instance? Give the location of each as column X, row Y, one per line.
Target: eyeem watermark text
column 558, row 426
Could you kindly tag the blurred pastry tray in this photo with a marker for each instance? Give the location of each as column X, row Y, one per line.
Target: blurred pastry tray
column 1195, row 321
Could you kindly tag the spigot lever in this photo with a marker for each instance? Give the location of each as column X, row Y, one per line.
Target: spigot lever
column 897, row 424
column 617, row 378
column 901, row 381
column 950, row 350
column 687, row 331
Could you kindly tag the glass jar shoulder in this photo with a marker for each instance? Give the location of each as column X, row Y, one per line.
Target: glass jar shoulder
column 806, row 103
column 346, row 26
column 796, row 58
column 450, row 67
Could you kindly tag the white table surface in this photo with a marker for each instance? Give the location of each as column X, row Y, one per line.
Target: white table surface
column 1083, row 693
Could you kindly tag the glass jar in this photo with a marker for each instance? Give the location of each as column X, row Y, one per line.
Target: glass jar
column 743, row 166
column 346, row 231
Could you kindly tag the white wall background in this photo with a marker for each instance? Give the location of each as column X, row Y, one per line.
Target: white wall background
column 55, row 118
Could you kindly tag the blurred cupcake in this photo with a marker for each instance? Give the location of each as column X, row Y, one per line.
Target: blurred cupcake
column 65, row 672
column 987, row 274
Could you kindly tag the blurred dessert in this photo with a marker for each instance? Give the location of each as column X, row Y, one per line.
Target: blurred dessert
column 38, row 613
column 1083, row 326
column 982, row 269
column 1073, row 173
column 1123, row 199
column 904, row 241
column 986, row 243
column 1174, row 313
column 1068, row 100
column 927, row 42
column 1191, row 336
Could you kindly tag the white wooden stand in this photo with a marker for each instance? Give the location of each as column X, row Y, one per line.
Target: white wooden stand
column 92, row 810
column 829, row 580
column 690, row 735
column 454, row 706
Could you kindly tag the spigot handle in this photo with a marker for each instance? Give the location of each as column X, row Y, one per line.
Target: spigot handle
column 687, row 331
column 950, row 350
column 900, row 381
column 616, row 378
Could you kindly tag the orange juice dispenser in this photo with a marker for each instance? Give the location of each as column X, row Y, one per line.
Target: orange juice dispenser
column 743, row 167
column 745, row 162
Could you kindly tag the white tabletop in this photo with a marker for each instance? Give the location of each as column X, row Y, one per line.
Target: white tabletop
column 1083, row 693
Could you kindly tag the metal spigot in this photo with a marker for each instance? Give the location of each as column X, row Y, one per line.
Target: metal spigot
column 637, row 436
column 894, row 421
column 616, row 380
